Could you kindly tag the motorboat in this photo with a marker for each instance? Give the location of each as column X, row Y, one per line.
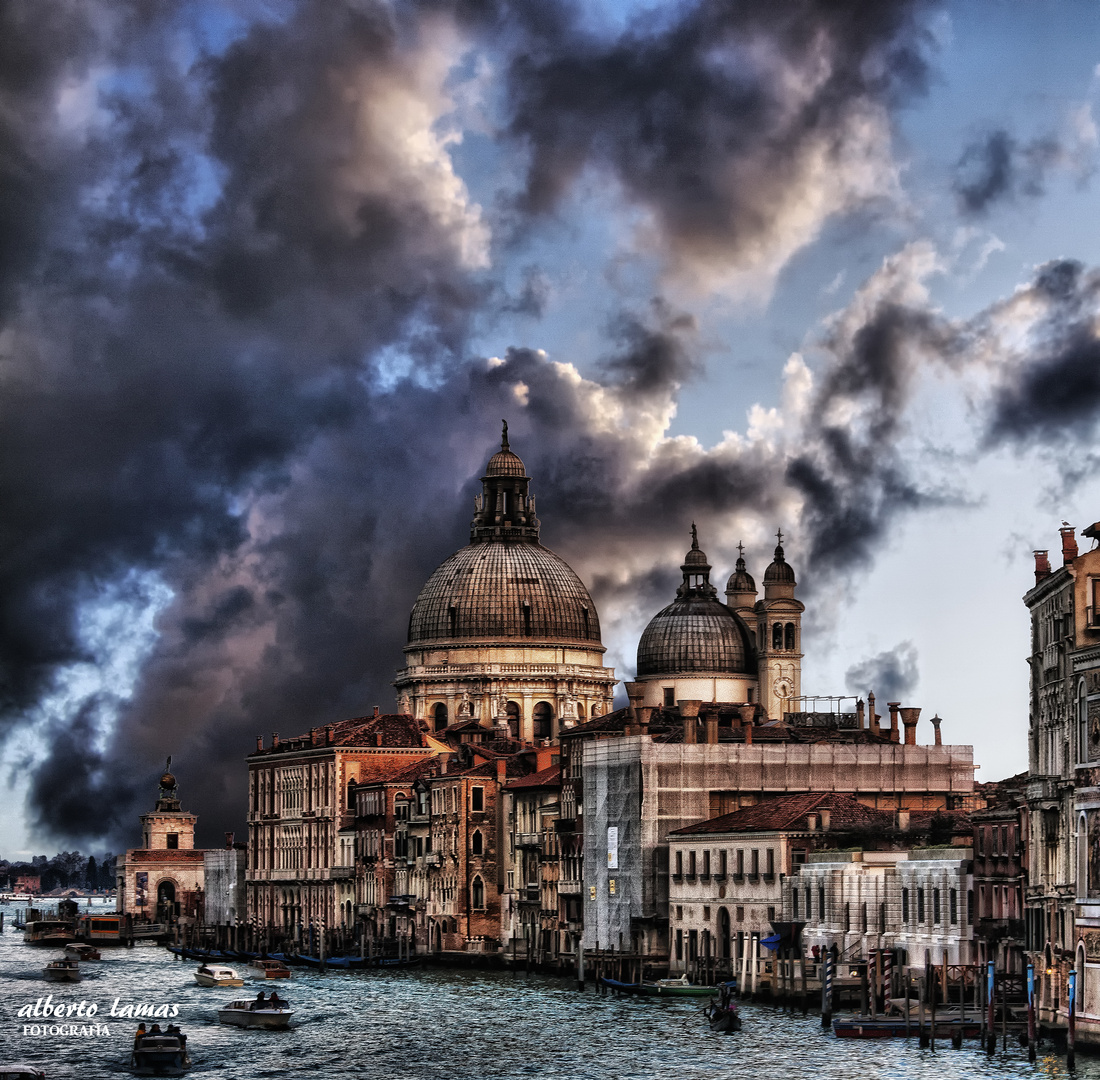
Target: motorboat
column 77, row 951
column 62, row 971
column 255, row 1014
column 21, row 1072
column 267, row 969
column 217, row 975
column 661, row 987
column 893, row 1024
column 160, row 1054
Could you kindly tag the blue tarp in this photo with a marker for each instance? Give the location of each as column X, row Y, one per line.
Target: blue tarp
column 771, row 942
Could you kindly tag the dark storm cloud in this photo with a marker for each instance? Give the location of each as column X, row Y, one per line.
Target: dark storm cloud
column 997, row 168
column 891, row 676
column 708, row 117
column 212, row 267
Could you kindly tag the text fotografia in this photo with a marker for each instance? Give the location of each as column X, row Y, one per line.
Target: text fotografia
column 86, row 1030
column 46, row 1007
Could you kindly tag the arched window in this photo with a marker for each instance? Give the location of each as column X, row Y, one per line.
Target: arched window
column 789, row 636
column 580, row 711
column 543, row 715
column 477, row 894
column 1087, row 749
column 439, row 714
column 512, row 709
column 777, row 636
column 476, row 845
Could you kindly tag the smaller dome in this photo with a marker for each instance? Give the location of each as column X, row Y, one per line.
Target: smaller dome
column 741, row 581
column 780, row 572
column 505, row 463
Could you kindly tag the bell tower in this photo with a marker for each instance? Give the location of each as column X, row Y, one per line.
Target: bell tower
column 779, row 637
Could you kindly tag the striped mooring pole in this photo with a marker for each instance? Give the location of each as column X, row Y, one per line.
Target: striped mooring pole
column 827, row 991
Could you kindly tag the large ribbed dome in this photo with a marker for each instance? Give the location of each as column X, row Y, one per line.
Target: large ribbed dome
column 695, row 635
column 504, row 590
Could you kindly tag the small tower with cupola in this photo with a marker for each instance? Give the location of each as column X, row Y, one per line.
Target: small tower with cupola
column 779, row 637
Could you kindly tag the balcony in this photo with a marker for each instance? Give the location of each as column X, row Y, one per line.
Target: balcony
column 530, row 895
column 570, row 888
column 528, row 840
column 433, row 858
column 565, row 825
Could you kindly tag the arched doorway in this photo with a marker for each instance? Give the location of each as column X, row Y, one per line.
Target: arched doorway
column 166, row 900
column 724, row 933
column 512, row 709
column 543, row 717
column 1079, row 967
column 439, row 717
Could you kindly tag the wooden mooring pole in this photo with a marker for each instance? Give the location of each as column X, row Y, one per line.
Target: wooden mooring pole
column 1071, row 1022
column 1030, row 1012
column 991, row 1004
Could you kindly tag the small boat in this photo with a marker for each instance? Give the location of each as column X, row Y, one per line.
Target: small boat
column 21, row 1072
column 251, row 1014
column 216, row 975
column 77, row 951
column 161, row 1054
column 722, row 1011
column 267, row 969
column 680, row 987
column 61, row 971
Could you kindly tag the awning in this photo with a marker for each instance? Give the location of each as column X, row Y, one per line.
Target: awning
column 771, row 941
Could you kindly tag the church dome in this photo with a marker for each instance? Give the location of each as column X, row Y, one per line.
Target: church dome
column 505, row 463
column 504, row 590
column 696, row 633
column 780, row 572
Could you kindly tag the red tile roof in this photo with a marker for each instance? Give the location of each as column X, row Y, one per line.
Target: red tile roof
column 387, row 731
column 548, row 777
column 790, row 812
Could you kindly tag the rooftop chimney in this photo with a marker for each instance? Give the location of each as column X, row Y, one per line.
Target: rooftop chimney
column 903, row 820
column 376, row 710
column 689, row 713
column 936, row 721
column 826, row 819
column 872, row 716
column 893, row 706
column 330, row 738
column 229, row 841
column 635, row 693
column 259, row 742
column 909, row 718
column 502, row 769
column 1042, row 566
column 859, row 713
column 1069, row 544
column 710, row 722
column 274, row 740
column 748, row 732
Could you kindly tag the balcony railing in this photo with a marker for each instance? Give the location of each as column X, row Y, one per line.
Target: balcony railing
column 528, row 839
column 570, row 888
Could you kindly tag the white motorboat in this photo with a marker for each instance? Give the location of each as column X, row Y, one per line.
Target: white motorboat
column 267, row 969
column 21, row 1072
column 62, row 971
column 216, row 975
column 253, row 1014
column 162, row 1054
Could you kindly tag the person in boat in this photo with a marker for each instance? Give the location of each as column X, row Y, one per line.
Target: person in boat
column 261, row 1000
column 139, row 1035
column 275, row 1001
column 155, row 1030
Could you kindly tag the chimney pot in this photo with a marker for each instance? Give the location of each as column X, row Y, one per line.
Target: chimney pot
column 689, row 730
column 1069, row 544
column 376, row 710
column 274, row 740
column 748, row 733
column 259, row 742
column 689, row 706
column 502, row 770
column 859, row 713
column 711, row 725
column 909, row 718
column 229, row 841
column 936, row 721
column 903, row 820
column 826, row 819
column 893, row 706
column 330, row 738
column 812, row 822
column 1042, row 565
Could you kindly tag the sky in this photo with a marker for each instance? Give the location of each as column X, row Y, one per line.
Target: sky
column 272, row 272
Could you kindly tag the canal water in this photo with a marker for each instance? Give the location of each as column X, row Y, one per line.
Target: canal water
column 448, row 1025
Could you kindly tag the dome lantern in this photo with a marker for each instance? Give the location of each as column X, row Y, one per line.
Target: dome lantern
column 504, row 509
